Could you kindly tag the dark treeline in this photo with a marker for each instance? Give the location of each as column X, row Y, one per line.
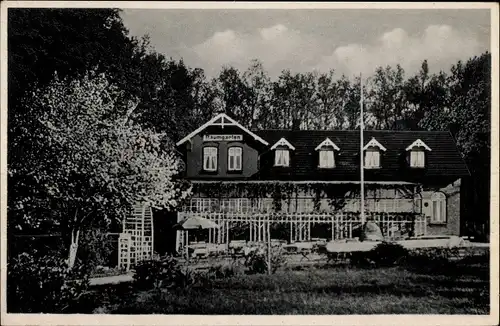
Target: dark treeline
column 175, row 99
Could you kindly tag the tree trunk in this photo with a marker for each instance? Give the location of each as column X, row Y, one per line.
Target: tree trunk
column 73, row 248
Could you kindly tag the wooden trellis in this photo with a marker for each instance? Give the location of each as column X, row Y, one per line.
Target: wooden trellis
column 342, row 225
column 136, row 240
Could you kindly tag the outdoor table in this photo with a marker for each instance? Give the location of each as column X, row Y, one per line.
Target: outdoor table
column 303, row 248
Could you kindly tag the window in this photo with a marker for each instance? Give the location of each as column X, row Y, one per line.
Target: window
column 282, row 157
column 372, row 159
column 372, row 154
column 282, row 152
column 326, row 159
column 326, row 153
column 417, row 159
column 438, row 214
column 210, row 158
column 234, row 158
column 417, row 153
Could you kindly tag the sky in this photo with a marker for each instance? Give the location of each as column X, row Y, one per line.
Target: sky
column 350, row 41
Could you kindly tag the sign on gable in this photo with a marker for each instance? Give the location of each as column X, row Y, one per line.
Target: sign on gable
column 222, row 137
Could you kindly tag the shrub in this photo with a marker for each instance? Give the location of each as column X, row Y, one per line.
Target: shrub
column 360, row 259
column 221, row 271
column 185, row 278
column 43, row 284
column 156, row 273
column 387, row 254
column 95, row 248
column 256, row 261
column 383, row 255
column 428, row 259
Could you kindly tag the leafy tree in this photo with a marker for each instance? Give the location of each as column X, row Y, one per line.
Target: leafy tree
column 258, row 100
column 234, row 95
column 465, row 106
column 42, row 41
column 86, row 160
column 294, row 97
column 204, row 93
column 332, row 99
column 352, row 102
column 386, row 96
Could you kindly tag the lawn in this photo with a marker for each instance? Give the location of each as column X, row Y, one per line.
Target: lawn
column 460, row 288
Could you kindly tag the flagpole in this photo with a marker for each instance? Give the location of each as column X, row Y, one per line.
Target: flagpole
column 361, row 145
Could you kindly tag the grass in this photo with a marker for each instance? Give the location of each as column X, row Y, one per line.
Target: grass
column 460, row 288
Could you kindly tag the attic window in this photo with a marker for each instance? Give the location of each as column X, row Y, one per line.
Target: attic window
column 372, row 159
column 326, row 153
column 417, row 153
column 372, row 154
column 282, row 152
column 282, row 157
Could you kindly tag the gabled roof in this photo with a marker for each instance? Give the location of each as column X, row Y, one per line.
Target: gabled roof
column 374, row 143
column 418, row 143
column 443, row 161
column 327, row 142
column 283, row 142
column 221, row 120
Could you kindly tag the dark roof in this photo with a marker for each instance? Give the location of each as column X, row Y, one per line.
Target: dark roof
column 443, row 160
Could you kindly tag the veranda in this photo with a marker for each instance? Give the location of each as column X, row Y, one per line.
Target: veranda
column 297, row 226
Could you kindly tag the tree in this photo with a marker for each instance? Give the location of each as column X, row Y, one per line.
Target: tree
column 386, row 97
column 352, row 102
column 332, row 98
column 204, row 93
column 294, row 97
column 86, row 160
column 69, row 41
column 462, row 101
column 234, row 95
column 258, row 85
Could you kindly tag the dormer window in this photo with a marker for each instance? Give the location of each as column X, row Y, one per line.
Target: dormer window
column 417, row 153
column 282, row 152
column 327, row 154
column 282, row 157
column 372, row 154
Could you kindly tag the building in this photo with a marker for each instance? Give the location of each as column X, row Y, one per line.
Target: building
column 306, row 184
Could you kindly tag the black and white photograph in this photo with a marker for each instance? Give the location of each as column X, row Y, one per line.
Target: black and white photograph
column 219, row 159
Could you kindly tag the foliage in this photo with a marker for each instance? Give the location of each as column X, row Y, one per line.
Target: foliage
column 335, row 194
column 157, row 273
column 332, row 291
column 88, row 162
column 221, row 271
column 164, row 273
column 43, row 284
column 90, row 38
column 257, row 260
column 429, row 259
column 95, row 249
column 387, row 254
